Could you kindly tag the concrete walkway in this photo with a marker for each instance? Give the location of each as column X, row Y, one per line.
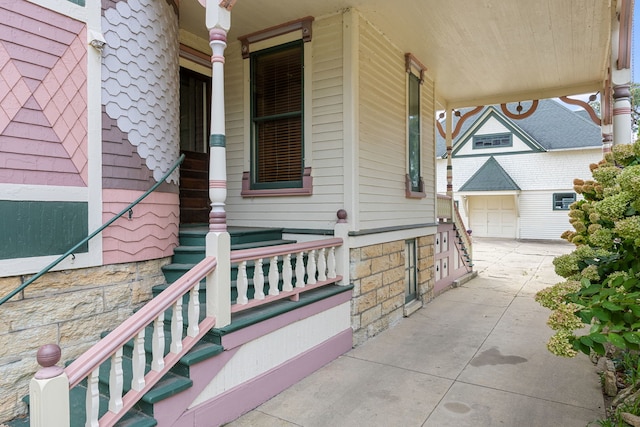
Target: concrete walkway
column 475, row 356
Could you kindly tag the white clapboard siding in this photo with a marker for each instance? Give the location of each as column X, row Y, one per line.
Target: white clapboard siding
column 327, row 154
column 383, row 140
column 538, row 220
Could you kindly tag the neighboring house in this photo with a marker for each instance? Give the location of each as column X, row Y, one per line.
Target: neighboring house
column 304, row 219
column 513, row 178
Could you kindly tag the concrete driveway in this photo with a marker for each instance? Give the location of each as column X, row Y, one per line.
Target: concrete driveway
column 475, row 356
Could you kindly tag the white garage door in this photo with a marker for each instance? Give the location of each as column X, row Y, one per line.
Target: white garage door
column 492, row 216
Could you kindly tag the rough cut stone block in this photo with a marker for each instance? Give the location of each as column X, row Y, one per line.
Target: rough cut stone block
column 362, row 269
column 397, row 246
column 372, row 251
column 370, row 283
column 371, row 315
column 59, row 308
column 27, row 340
column 366, row 301
column 8, row 284
column 87, row 329
column 393, row 275
column 380, row 264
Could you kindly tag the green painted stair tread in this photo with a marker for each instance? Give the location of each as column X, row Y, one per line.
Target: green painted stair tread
column 258, row 314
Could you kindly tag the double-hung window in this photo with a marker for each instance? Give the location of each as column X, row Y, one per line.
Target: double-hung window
column 277, row 117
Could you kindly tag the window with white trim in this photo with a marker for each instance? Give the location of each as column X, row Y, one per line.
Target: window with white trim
column 415, row 77
column 562, row 201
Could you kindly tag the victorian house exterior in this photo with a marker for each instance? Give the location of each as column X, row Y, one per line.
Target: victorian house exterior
column 219, row 197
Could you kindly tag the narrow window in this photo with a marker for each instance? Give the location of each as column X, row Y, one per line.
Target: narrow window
column 410, row 271
column 414, row 133
column 277, row 116
column 562, row 201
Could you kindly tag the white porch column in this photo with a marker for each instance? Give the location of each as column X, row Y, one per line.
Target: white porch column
column 218, row 241
column 448, row 139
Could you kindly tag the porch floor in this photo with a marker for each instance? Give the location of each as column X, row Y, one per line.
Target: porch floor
column 475, row 356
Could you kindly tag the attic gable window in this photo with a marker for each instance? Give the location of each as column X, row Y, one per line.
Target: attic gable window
column 492, row 141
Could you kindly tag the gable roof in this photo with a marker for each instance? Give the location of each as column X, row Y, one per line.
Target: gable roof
column 553, row 126
column 490, row 177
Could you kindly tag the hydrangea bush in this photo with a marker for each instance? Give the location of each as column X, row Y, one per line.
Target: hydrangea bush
column 602, row 286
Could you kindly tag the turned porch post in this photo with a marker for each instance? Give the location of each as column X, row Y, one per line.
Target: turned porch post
column 621, row 72
column 218, row 242
column 448, row 139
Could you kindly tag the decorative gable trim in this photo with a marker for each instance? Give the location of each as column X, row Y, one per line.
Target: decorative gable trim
column 491, row 112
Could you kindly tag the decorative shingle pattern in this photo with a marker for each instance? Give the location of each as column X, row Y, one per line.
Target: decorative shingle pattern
column 43, row 97
column 140, row 88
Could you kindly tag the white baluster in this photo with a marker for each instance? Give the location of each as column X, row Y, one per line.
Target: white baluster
column 311, row 268
column 258, row 280
column 287, row 273
column 157, row 346
column 93, row 399
column 274, row 276
column 116, row 381
column 242, row 283
column 176, row 327
column 138, row 360
column 194, row 311
column 300, row 270
column 331, row 263
column 322, row 265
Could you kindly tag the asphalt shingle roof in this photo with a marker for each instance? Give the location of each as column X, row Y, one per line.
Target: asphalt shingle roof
column 490, row 177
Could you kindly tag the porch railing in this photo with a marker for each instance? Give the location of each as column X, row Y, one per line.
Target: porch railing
column 447, row 210
column 304, row 266
column 444, row 207
column 111, row 347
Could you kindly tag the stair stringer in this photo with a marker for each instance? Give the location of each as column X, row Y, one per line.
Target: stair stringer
column 220, row 393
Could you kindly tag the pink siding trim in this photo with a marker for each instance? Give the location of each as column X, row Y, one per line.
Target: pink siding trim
column 449, row 255
column 151, row 233
column 43, row 96
column 169, row 410
column 239, row 400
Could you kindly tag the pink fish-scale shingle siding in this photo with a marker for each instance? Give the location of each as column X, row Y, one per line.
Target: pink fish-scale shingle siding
column 43, row 97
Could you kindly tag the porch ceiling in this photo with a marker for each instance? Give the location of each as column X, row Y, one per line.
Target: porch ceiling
column 478, row 52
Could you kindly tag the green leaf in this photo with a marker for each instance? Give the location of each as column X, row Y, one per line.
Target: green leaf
column 586, row 340
column 601, row 314
column 598, row 348
column 631, row 337
column 617, row 340
column 635, row 309
column 611, row 306
column 595, row 328
column 599, row 338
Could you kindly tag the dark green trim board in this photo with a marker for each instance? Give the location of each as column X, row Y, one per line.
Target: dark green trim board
column 78, row 2
column 218, row 141
column 32, row 228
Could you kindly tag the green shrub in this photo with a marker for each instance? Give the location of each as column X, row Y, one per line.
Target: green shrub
column 602, row 289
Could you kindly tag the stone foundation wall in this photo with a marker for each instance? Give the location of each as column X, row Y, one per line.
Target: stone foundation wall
column 69, row 308
column 377, row 273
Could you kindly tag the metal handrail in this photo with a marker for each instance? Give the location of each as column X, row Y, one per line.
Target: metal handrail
column 90, row 236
